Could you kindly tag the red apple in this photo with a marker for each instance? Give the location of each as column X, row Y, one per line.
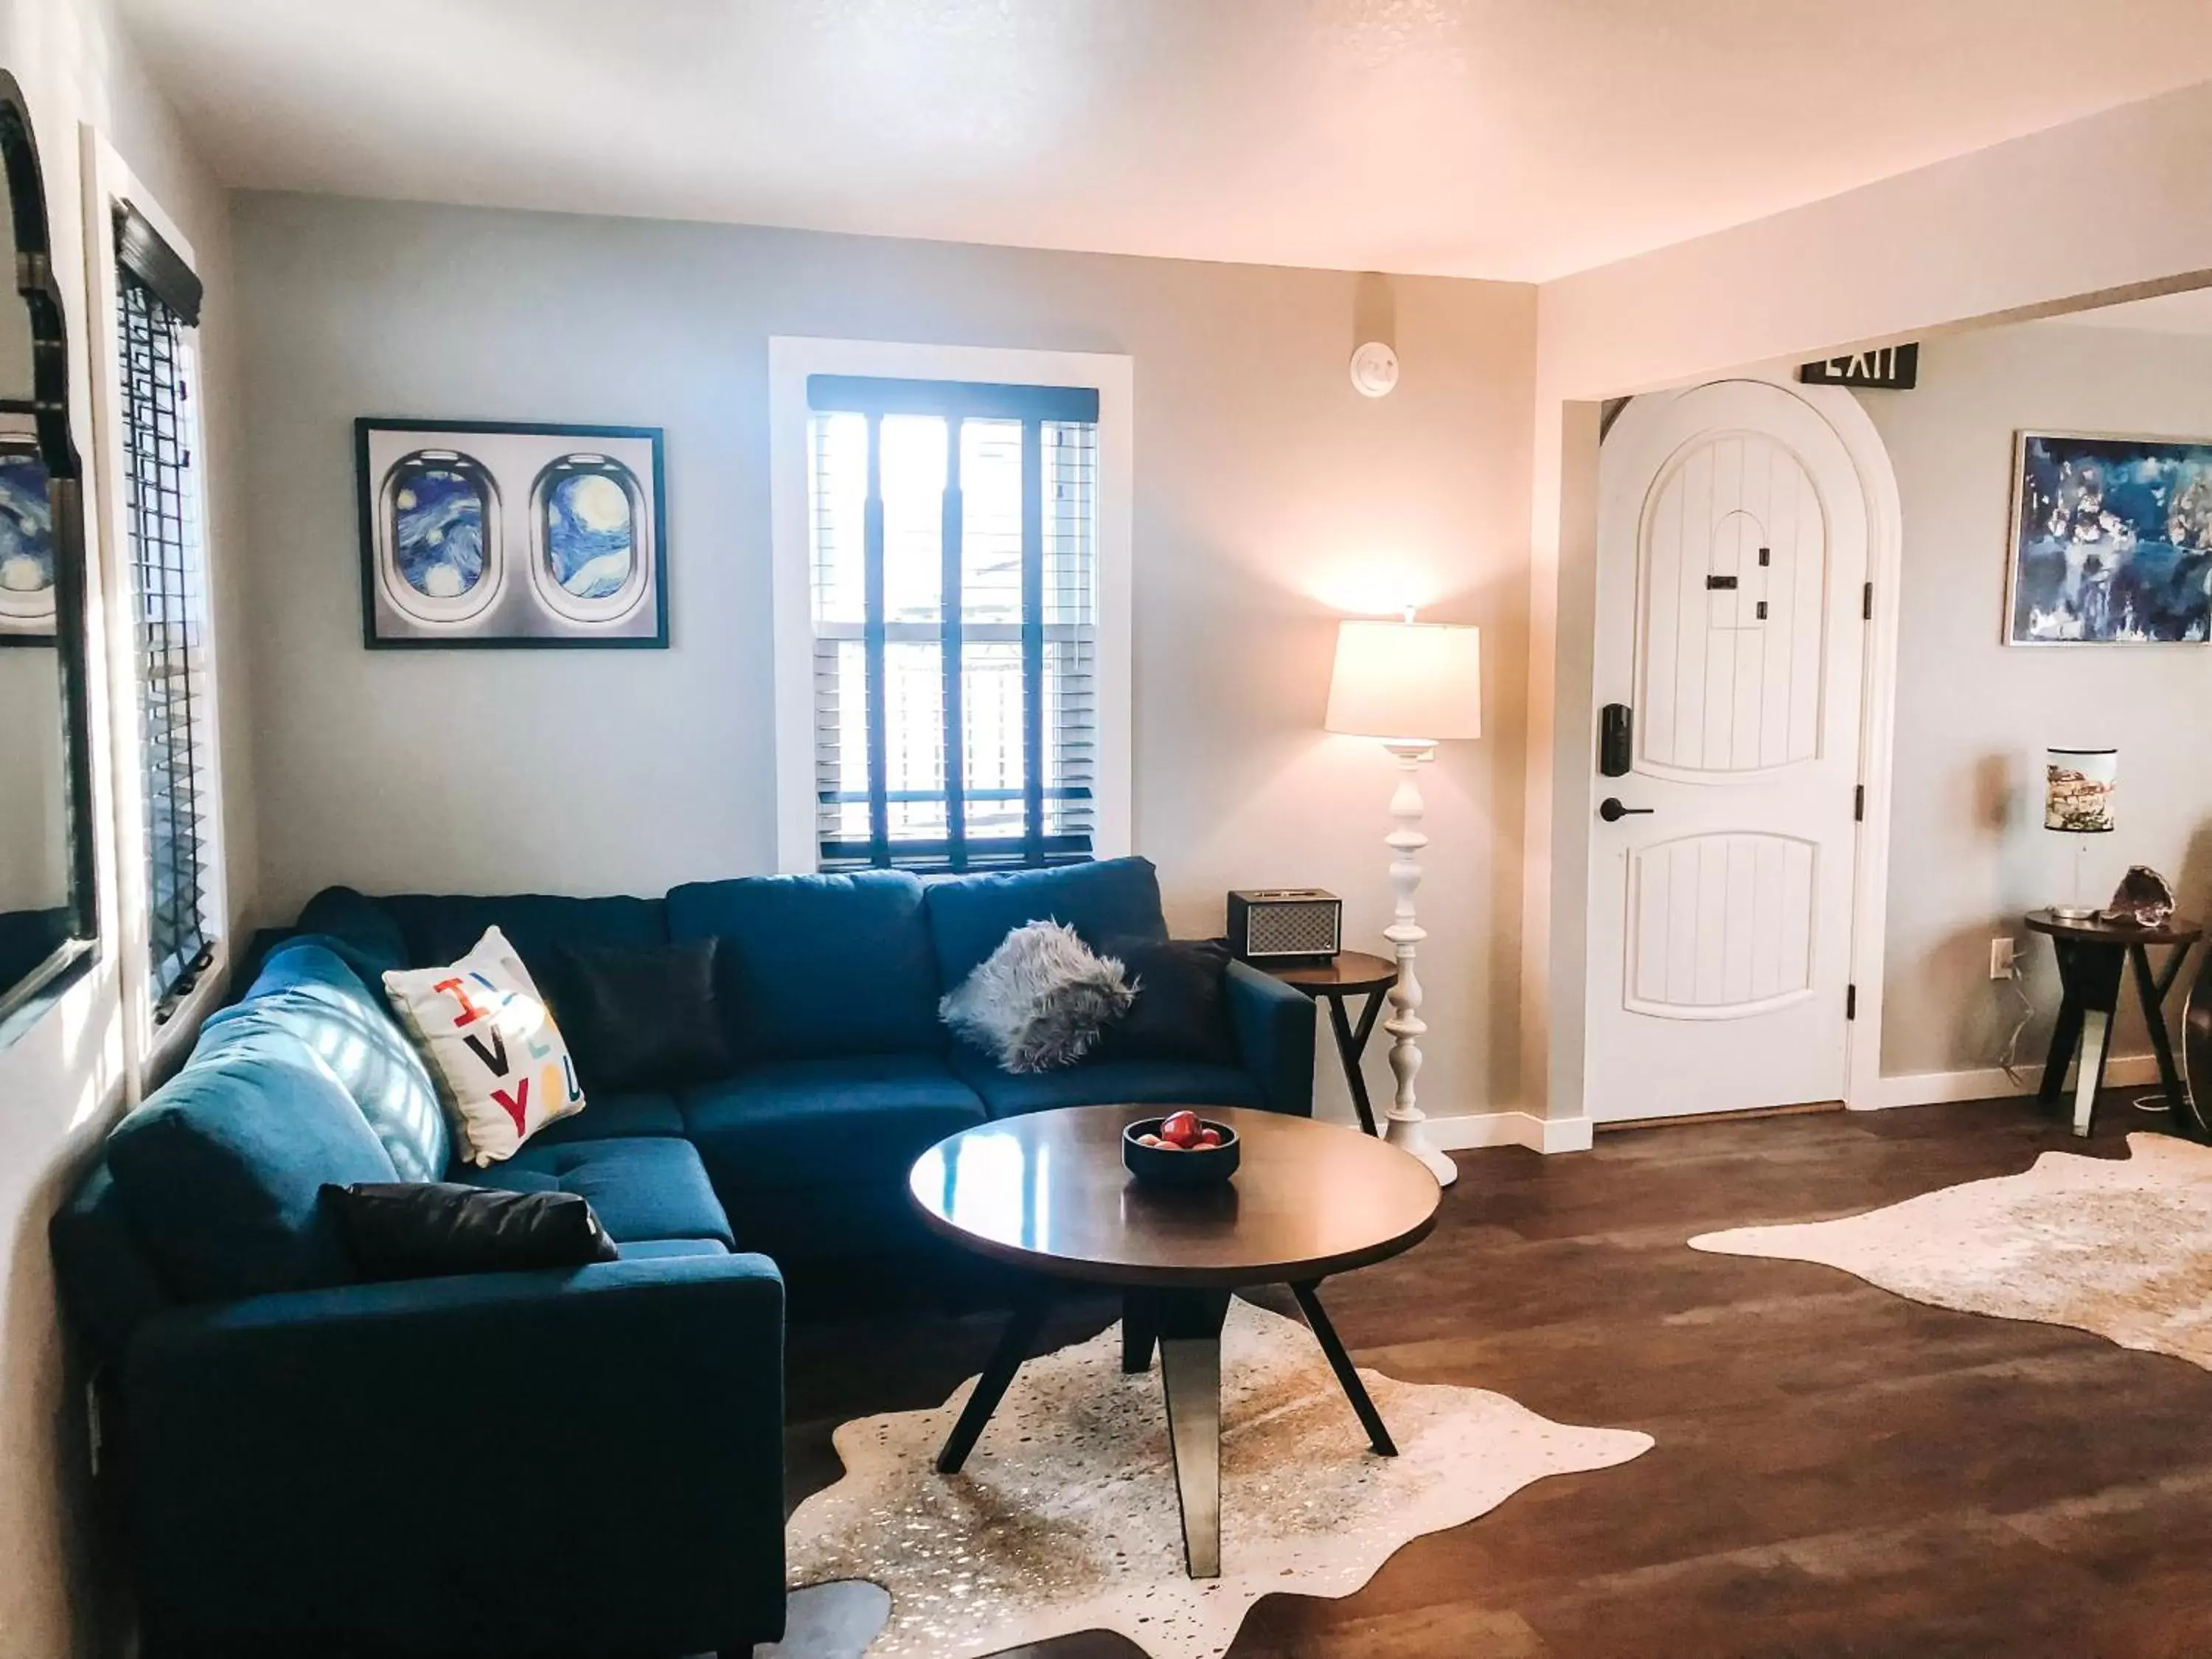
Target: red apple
column 1209, row 1137
column 1181, row 1128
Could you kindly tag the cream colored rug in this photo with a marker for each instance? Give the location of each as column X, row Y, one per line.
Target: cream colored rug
column 1065, row 1518
column 2122, row 1248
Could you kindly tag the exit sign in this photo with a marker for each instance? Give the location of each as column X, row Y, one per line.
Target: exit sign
column 1892, row 369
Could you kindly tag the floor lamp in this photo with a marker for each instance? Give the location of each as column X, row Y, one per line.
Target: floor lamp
column 1413, row 685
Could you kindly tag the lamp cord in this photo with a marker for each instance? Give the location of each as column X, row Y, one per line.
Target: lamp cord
column 2016, row 982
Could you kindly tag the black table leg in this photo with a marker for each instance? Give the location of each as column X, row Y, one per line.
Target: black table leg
column 2065, row 1038
column 1136, row 1335
column 1014, row 1344
column 2151, row 988
column 2091, row 976
column 1188, row 1324
column 1347, row 1375
column 1350, row 1045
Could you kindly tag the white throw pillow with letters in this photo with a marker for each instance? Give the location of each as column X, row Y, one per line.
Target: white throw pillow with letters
column 502, row 1070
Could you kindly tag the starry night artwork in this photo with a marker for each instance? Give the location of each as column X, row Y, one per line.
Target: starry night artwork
column 487, row 534
column 27, row 546
column 2112, row 541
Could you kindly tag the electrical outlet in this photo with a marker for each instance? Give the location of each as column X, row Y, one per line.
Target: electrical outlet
column 2002, row 954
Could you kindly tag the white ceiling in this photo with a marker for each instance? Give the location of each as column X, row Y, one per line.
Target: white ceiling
column 1508, row 138
column 2188, row 312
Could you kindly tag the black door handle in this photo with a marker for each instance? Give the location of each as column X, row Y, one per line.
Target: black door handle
column 1613, row 812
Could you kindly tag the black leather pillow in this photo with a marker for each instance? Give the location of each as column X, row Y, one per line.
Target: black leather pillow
column 420, row 1229
column 639, row 1017
column 1180, row 1012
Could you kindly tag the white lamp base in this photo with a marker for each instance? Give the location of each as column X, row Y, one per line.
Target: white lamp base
column 1406, row 1124
column 1411, row 1134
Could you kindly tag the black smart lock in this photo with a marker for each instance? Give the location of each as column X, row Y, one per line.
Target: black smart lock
column 1614, row 728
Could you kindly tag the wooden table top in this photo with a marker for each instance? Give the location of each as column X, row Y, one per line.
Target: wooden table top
column 1348, row 971
column 1046, row 1191
column 2178, row 930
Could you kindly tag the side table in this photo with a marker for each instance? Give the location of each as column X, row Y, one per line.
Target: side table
column 1343, row 976
column 2092, row 955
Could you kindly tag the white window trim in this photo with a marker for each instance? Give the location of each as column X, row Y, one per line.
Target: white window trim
column 791, row 359
column 149, row 1049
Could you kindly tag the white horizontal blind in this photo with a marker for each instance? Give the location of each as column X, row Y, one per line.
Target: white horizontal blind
column 953, row 533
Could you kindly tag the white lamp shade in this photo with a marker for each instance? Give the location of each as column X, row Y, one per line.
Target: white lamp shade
column 1414, row 682
column 2078, row 785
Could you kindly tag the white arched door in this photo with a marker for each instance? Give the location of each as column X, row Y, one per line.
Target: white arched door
column 1733, row 537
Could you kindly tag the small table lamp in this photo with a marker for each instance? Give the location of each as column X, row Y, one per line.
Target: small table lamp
column 2077, row 800
column 1413, row 685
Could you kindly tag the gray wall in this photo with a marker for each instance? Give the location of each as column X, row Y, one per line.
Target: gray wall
column 1270, row 498
column 1968, row 853
column 62, row 1080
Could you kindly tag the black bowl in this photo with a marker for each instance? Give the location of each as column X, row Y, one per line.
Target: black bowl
column 1164, row 1166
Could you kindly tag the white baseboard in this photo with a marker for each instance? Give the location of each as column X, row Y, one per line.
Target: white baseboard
column 1987, row 1083
column 1539, row 1135
column 1471, row 1131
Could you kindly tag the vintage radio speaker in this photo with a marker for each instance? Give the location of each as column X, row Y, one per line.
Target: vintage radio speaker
column 1274, row 926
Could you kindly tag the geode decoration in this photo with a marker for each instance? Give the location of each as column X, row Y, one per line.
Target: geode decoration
column 2142, row 898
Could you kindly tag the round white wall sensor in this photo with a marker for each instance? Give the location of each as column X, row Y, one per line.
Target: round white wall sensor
column 1374, row 369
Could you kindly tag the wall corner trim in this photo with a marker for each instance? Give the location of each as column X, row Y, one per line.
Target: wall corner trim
column 1471, row 1131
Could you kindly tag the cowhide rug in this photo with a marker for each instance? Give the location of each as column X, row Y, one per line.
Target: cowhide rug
column 2122, row 1248
column 1065, row 1518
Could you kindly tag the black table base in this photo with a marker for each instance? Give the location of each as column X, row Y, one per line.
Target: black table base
column 2090, row 975
column 1185, row 1326
column 1350, row 1044
column 1335, row 981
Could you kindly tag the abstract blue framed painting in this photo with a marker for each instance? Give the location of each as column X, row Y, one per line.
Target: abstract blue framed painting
column 497, row 534
column 2112, row 540
column 26, row 542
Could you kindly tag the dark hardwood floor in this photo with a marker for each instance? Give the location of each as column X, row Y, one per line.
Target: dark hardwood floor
column 1838, row 1471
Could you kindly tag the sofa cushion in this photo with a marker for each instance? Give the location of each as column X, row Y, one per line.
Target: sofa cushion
column 359, row 927
column 651, row 1249
column 222, row 1171
column 870, row 1224
column 641, row 1017
column 108, row 1282
column 1133, row 1081
column 811, row 1122
column 1181, row 1010
column 814, row 966
column 647, row 1188
column 438, row 927
column 1110, row 899
column 615, row 1117
column 305, row 987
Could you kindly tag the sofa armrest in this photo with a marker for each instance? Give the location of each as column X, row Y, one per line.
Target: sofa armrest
column 564, row 1462
column 1274, row 1026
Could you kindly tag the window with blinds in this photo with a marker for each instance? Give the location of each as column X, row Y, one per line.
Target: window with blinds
column 953, row 542
column 158, row 305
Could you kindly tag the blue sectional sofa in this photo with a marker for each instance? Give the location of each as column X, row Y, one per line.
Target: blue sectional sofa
column 584, row 1462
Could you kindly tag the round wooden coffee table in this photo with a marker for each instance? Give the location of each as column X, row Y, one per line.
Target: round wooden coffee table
column 1046, row 1193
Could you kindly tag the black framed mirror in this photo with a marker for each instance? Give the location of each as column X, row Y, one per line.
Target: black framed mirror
column 49, row 922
